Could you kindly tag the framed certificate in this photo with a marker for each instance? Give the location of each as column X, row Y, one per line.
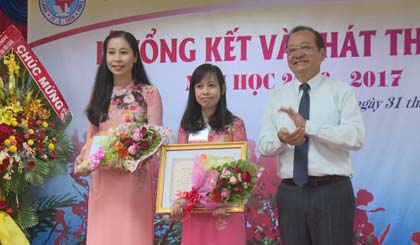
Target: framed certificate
column 176, row 164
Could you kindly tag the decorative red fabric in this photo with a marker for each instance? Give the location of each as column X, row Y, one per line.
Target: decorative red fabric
column 6, row 22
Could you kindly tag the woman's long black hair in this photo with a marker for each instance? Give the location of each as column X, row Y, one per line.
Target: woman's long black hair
column 192, row 120
column 97, row 109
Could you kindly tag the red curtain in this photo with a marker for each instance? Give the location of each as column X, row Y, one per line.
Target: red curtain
column 6, row 21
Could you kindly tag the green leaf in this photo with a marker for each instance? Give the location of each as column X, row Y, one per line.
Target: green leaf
column 37, row 175
column 46, row 211
column 27, row 217
column 2, row 95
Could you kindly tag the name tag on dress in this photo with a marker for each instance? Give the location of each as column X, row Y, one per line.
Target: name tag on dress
column 202, row 135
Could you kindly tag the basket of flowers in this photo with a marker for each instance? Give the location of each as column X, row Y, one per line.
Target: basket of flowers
column 33, row 145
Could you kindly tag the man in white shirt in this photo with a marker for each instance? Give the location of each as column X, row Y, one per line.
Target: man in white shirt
column 312, row 129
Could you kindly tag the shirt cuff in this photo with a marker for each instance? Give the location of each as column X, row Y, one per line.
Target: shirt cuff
column 278, row 142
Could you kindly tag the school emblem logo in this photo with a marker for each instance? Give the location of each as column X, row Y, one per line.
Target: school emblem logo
column 61, row 12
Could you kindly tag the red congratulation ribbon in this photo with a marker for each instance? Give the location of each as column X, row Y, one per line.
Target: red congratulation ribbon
column 11, row 38
column 192, row 199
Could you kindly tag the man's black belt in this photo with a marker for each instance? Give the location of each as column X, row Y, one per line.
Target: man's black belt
column 315, row 181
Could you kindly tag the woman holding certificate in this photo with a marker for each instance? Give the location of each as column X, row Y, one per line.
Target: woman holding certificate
column 207, row 119
column 120, row 202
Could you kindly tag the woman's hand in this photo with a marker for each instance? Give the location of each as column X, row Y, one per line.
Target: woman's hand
column 78, row 161
column 220, row 212
column 177, row 209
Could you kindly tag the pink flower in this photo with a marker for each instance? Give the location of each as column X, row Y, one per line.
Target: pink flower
column 137, row 136
column 225, row 194
column 133, row 149
column 226, row 172
column 96, row 158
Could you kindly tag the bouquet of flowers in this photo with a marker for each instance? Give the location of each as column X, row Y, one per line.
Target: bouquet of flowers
column 219, row 181
column 125, row 147
column 235, row 182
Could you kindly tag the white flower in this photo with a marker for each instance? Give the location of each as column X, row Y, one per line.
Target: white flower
column 233, row 180
column 3, row 155
column 128, row 99
column 119, row 92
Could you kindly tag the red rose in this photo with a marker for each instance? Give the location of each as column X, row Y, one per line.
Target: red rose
column 237, row 170
column 246, row 176
column 128, row 142
column 43, row 133
column 3, row 204
column 20, row 137
column 5, row 132
column 6, row 161
column 31, row 123
column 3, row 168
column 5, row 164
column 143, row 130
column 31, row 165
column 144, row 145
column 215, row 195
column 9, row 210
column 222, row 182
column 153, row 136
column 239, row 189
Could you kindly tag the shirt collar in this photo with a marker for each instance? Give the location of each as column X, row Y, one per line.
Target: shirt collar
column 313, row 83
